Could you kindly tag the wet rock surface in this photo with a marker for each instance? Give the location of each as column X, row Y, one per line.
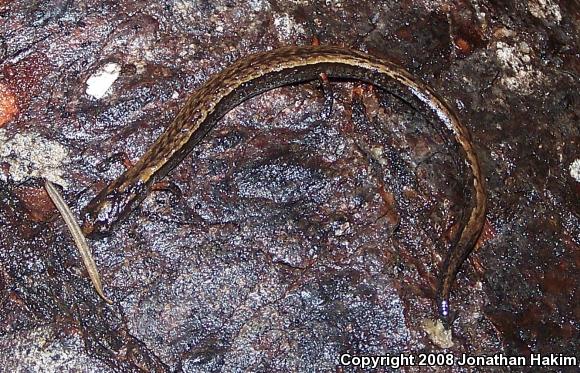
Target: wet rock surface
column 292, row 234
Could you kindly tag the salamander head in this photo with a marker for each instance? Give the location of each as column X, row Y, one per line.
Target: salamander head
column 99, row 216
column 105, row 211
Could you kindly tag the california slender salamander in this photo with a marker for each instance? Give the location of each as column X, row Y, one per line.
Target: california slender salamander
column 260, row 72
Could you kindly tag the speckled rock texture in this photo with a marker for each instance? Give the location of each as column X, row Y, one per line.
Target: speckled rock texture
column 302, row 228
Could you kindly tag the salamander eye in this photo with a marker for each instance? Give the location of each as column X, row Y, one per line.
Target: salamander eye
column 97, row 222
column 104, row 213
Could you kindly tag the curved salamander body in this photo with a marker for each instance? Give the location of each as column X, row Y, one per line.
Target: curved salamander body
column 261, row 72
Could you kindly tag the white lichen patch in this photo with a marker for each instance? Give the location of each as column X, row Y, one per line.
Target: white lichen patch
column 575, row 170
column 99, row 84
column 30, row 155
column 258, row 5
column 437, row 333
column 545, row 9
column 377, row 154
column 287, row 26
column 519, row 74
